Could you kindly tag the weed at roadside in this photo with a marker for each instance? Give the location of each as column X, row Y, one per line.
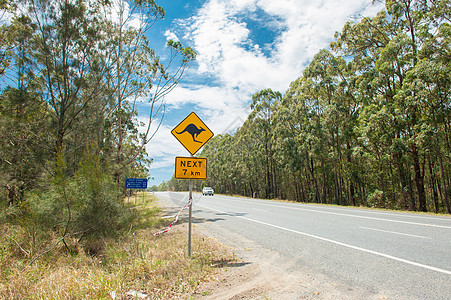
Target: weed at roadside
column 154, row 266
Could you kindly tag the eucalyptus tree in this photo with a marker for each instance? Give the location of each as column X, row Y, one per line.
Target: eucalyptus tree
column 293, row 142
column 385, row 50
column 136, row 72
column 263, row 105
column 369, row 128
column 378, row 45
column 323, row 77
column 427, row 86
column 66, row 53
column 250, row 159
column 126, row 55
column 216, row 151
column 23, row 114
column 433, row 70
column 364, row 41
column 6, row 44
column 404, row 52
column 65, row 62
column 420, row 32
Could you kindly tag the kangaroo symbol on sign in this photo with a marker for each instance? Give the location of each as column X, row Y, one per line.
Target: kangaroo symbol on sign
column 193, row 130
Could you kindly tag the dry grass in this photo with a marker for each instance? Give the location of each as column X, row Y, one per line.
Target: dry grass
column 155, row 266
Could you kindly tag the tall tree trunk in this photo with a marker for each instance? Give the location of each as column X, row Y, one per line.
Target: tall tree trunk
column 433, row 186
column 268, row 181
column 119, row 105
column 302, row 193
column 296, row 187
column 444, row 187
column 419, row 179
column 413, row 206
column 351, row 182
column 442, row 169
column 336, row 179
column 312, row 173
column 382, row 180
column 337, row 185
column 324, row 186
column 402, row 178
column 274, row 177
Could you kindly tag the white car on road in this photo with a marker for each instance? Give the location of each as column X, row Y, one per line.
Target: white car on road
column 207, row 191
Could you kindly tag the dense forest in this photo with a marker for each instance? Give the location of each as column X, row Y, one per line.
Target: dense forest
column 71, row 75
column 367, row 123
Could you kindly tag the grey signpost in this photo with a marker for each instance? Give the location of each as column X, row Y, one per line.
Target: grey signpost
column 190, row 215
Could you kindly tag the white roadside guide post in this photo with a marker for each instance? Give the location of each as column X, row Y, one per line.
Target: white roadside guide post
column 192, row 133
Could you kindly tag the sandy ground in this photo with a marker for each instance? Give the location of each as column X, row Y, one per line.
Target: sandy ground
column 259, row 273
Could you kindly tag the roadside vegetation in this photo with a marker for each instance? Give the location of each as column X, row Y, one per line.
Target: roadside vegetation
column 136, row 263
column 368, row 123
column 71, row 75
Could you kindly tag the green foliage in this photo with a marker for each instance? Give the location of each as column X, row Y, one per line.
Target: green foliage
column 370, row 127
column 376, row 199
column 178, row 185
column 87, row 205
column 74, row 78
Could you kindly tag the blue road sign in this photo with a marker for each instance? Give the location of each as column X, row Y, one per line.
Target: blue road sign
column 136, row 183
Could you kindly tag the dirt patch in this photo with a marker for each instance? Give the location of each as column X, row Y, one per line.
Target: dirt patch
column 259, row 273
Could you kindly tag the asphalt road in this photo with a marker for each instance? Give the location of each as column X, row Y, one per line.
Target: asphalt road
column 400, row 255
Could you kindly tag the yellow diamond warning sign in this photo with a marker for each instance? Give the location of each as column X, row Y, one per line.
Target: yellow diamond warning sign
column 190, row 168
column 192, row 133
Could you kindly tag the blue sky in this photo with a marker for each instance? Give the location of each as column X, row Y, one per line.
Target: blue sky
column 243, row 46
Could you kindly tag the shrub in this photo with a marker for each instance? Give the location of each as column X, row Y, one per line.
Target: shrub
column 87, row 206
column 376, row 199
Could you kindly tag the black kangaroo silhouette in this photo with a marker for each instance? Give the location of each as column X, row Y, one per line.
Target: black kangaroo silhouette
column 193, row 130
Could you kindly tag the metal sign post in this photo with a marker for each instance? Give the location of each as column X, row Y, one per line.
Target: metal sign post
column 190, row 216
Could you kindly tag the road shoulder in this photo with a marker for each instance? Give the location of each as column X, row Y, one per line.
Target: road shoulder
column 259, row 273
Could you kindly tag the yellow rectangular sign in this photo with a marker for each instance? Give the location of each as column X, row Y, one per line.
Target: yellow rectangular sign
column 190, row 168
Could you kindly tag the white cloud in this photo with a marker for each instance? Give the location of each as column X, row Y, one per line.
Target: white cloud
column 236, row 64
column 233, row 64
column 170, row 35
column 163, row 147
column 220, row 34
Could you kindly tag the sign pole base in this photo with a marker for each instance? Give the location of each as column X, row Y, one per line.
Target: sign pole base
column 190, row 215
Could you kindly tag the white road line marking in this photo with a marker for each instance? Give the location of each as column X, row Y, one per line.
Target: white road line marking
column 366, row 217
column 404, row 214
column 357, row 216
column 341, row 244
column 394, row 232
